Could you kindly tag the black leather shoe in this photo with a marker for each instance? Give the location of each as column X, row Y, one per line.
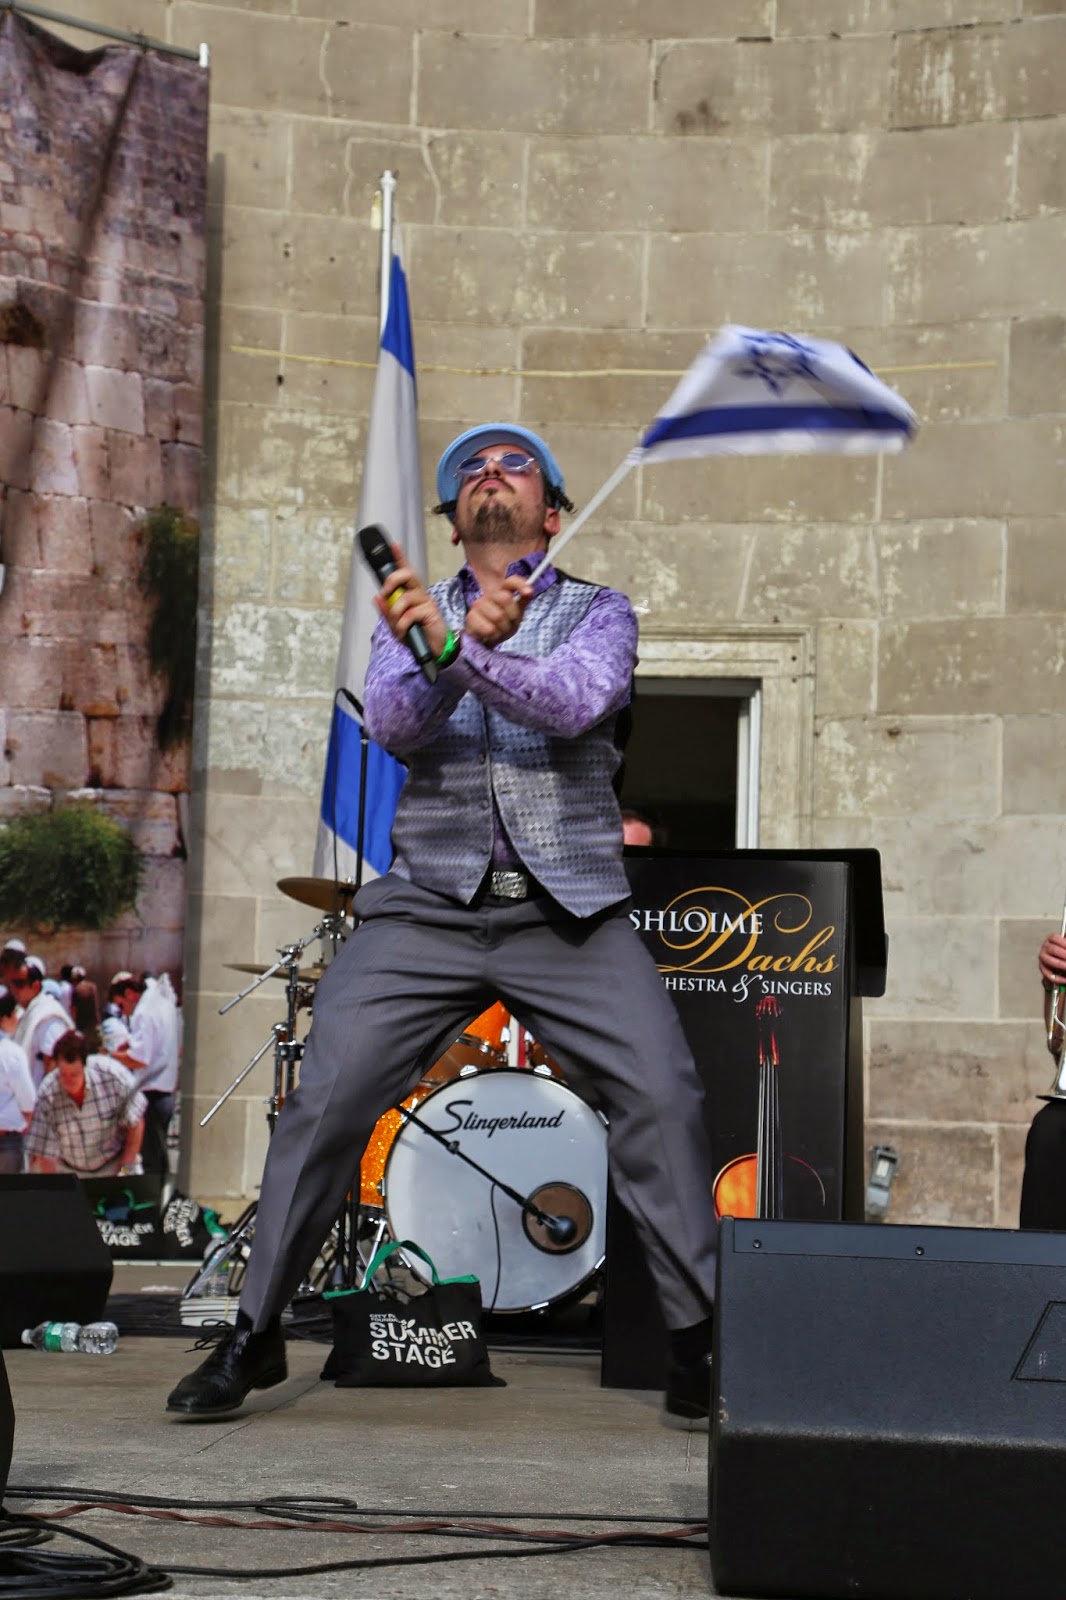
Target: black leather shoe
column 241, row 1360
column 687, row 1403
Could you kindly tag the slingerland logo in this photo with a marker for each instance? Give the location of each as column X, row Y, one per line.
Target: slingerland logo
column 473, row 1123
column 403, row 1340
column 716, row 941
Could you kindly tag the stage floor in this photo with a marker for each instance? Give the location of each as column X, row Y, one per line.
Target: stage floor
column 552, row 1444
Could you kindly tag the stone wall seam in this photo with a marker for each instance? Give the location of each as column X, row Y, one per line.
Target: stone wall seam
column 1012, row 192
column 425, row 145
column 996, row 1178
column 323, row 78
column 349, row 176
column 879, row 494
column 745, row 588
column 527, row 157
column 416, row 65
column 768, row 172
column 956, row 1124
column 645, row 260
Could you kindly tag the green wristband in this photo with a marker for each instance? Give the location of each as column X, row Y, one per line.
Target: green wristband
column 450, row 651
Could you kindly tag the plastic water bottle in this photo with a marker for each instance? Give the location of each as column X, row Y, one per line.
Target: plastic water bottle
column 97, row 1338
column 92, row 1338
column 216, row 1283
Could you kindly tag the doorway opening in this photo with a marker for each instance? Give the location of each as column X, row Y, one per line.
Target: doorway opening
column 692, row 761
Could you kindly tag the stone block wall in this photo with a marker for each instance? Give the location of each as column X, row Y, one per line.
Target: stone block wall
column 100, row 419
column 587, row 190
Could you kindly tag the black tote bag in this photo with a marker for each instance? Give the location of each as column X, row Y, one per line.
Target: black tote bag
column 432, row 1339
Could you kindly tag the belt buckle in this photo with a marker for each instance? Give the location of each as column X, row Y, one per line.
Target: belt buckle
column 506, row 885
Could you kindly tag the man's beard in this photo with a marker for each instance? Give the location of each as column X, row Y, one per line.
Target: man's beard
column 493, row 522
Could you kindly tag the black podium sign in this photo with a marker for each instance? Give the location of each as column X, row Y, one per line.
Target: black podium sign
column 755, row 954
column 766, row 955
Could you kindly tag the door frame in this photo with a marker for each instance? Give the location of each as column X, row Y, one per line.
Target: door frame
column 775, row 751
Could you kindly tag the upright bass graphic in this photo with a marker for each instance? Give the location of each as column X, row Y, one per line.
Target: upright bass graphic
column 753, row 1185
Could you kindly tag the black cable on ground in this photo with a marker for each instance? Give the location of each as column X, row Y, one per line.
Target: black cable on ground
column 48, row 1577
column 30, row 1574
column 22, row 1538
column 628, row 1541
column 314, row 1507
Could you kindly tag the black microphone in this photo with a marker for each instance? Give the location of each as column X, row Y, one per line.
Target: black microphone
column 560, row 1230
column 378, row 552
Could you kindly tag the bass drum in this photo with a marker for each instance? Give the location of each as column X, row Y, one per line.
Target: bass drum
column 533, row 1134
column 493, row 1026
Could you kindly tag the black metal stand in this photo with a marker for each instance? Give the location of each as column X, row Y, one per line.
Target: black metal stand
column 348, row 1223
column 342, row 1254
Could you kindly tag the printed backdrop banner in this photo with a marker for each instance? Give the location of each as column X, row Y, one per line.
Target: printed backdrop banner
column 102, row 249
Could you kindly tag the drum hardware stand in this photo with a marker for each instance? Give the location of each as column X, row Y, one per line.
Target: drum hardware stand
column 346, row 1228
column 288, row 1051
column 381, row 1228
column 562, row 1232
column 287, row 1048
column 332, row 931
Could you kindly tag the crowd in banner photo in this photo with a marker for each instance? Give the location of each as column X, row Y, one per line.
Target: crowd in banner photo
column 85, row 1087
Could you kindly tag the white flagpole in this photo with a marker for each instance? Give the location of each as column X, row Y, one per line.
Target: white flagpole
column 385, row 194
column 585, row 513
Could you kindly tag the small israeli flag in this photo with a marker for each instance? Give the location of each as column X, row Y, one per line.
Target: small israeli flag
column 755, row 393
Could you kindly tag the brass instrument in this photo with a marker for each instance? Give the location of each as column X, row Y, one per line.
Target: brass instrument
column 1055, row 1022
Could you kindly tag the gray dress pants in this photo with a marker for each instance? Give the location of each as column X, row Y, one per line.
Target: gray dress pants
column 416, row 970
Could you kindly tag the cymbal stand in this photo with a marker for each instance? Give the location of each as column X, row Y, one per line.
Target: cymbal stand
column 282, row 1034
column 288, row 1050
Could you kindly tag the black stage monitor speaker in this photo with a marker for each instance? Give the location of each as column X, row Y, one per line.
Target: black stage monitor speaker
column 54, row 1266
column 889, row 1412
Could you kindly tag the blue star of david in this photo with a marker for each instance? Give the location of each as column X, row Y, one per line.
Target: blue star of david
column 776, row 358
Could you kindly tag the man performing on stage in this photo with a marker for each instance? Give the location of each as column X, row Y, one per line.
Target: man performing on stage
column 507, row 882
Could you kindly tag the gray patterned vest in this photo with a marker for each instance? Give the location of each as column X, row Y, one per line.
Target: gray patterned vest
column 554, row 796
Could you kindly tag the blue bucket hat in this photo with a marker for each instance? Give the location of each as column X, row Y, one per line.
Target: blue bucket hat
column 474, row 439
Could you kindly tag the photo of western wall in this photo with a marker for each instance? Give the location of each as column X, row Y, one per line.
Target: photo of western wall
column 102, row 251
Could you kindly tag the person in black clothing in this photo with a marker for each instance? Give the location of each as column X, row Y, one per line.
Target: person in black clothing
column 1044, row 1178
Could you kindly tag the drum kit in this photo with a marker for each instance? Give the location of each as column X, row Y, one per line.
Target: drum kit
column 492, row 1164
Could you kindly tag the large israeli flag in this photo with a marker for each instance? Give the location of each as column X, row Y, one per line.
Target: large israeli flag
column 391, row 495
column 755, row 393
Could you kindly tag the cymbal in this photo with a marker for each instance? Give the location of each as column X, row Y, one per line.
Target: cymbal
column 257, row 969
column 322, row 893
